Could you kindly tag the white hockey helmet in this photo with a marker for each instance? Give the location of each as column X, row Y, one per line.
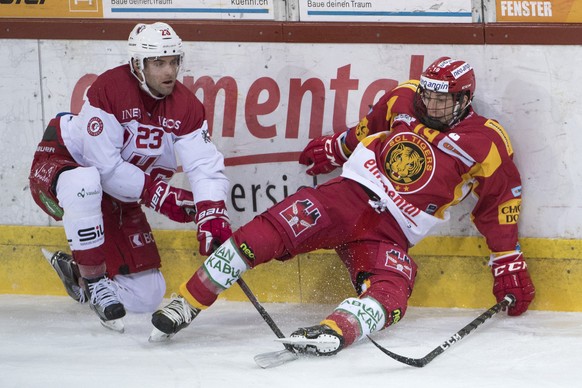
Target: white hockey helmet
column 152, row 41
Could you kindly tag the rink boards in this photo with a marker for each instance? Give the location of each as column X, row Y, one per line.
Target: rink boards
column 453, row 271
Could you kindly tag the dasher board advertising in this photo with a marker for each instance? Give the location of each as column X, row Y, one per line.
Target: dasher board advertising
column 547, row 11
column 402, row 11
column 51, row 8
column 140, row 9
column 189, row 9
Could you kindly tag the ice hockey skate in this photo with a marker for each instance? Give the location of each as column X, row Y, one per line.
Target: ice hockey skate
column 319, row 340
column 68, row 272
column 104, row 301
column 172, row 318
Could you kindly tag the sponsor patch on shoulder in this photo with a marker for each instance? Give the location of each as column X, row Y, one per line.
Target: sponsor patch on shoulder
column 508, row 211
column 95, row 126
column 501, row 132
column 404, row 117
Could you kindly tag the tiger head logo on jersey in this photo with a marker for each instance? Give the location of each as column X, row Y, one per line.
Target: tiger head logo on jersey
column 409, row 162
column 405, row 164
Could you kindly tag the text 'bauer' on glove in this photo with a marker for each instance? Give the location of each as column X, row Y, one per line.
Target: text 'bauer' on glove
column 167, row 200
column 213, row 225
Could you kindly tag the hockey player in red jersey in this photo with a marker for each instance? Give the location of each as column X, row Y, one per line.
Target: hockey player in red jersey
column 420, row 150
column 94, row 170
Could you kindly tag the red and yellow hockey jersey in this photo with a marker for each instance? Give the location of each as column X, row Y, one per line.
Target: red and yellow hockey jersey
column 418, row 172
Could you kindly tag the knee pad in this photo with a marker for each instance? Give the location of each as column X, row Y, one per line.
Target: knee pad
column 392, row 292
column 79, row 193
column 259, row 241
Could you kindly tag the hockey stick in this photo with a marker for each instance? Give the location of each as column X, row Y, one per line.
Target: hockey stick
column 249, row 294
column 245, row 288
column 420, row 362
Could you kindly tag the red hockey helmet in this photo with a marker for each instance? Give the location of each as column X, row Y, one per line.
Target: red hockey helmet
column 448, row 75
column 445, row 75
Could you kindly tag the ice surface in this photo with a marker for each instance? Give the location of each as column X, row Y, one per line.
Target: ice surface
column 54, row 342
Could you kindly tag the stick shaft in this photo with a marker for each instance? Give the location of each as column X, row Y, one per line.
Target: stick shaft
column 260, row 308
column 459, row 335
column 245, row 288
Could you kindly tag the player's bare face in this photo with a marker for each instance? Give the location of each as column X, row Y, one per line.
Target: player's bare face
column 439, row 106
column 161, row 73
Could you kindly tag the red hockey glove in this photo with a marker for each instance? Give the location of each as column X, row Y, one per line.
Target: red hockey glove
column 325, row 153
column 167, row 200
column 213, row 225
column 511, row 277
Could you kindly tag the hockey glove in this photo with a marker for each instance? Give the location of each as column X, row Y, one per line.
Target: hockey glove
column 325, row 153
column 511, row 277
column 167, row 200
column 213, row 225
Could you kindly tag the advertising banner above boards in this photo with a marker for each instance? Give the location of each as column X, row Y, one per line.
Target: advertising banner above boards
column 548, row 11
column 189, row 9
column 413, row 11
column 51, row 8
column 399, row 11
column 140, row 9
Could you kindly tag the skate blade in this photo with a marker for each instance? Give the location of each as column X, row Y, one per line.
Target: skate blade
column 48, row 255
column 273, row 359
column 114, row 324
column 323, row 339
column 159, row 336
column 325, row 343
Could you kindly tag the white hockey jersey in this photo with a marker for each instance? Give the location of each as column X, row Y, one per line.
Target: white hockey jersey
column 125, row 133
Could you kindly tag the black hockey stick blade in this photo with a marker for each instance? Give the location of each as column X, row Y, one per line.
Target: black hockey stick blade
column 416, row 362
column 420, row 362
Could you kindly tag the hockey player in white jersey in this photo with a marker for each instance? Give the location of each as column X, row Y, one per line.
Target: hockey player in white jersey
column 96, row 169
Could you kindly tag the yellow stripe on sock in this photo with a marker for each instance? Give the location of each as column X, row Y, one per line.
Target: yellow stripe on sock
column 333, row 325
column 190, row 299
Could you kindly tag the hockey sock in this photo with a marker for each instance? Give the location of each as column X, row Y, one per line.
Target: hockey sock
column 218, row 272
column 356, row 318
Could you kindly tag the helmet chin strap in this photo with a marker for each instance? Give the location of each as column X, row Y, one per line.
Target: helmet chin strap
column 460, row 111
column 145, row 88
column 143, row 84
column 140, row 76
